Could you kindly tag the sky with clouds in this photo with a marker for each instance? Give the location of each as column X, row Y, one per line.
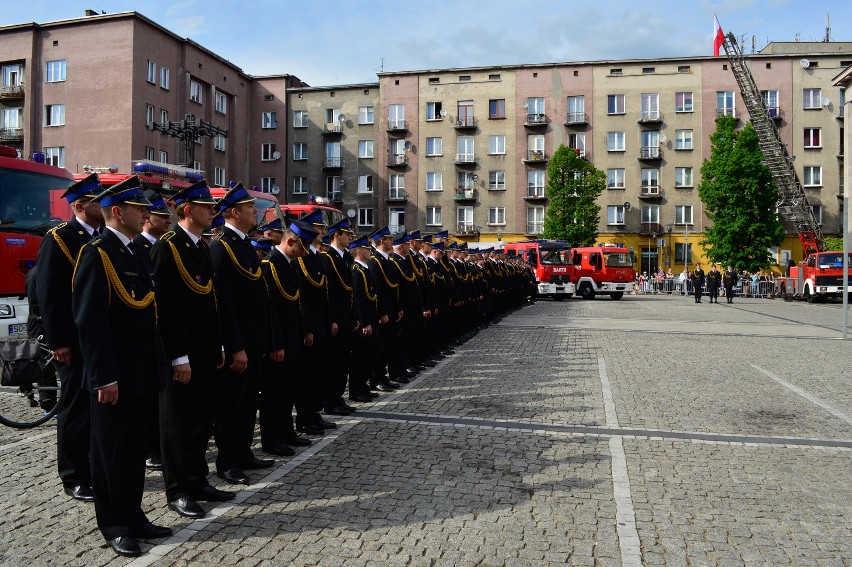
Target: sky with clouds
column 333, row 42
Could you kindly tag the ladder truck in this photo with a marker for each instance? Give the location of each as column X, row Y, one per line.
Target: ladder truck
column 818, row 276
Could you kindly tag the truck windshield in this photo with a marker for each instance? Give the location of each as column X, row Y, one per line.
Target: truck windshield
column 834, row 260
column 25, row 199
column 556, row 257
column 618, row 260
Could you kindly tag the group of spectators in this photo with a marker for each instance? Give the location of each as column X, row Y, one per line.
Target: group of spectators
column 749, row 284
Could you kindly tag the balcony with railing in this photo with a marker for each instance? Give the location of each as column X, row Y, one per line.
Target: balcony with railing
column 332, row 163
column 775, row 113
column 397, row 194
column 331, row 128
column 650, row 117
column 397, row 160
column 465, row 159
column 396, row 228
column 11, row 92
column 334, row 196
column 11, row 134
column 465, row 123
column 651, row 192
column 651, row 228
column 465, row 194
column 466, row 229
column 577, row 119
column 535, row 227
column 650, row 153
column 728, row 112
column 536, row 119
column 397, row 126
column 535, row 193
column 535, row 156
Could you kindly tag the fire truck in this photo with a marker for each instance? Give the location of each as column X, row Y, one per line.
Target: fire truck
column 820, row 274
column 27, row 189
column 551, row 262
column 602, row 270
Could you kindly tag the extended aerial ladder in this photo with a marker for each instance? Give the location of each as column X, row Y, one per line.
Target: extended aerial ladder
column 792, row 201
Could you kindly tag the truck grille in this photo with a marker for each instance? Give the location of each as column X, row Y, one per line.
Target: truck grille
column 830, row 280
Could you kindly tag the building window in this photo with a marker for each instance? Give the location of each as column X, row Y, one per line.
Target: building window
column 813, row 176
column 151, row 74
column 300, row 185
column 266, row 184
column 149, row 115
column 683, row 214
column 434, row 110
column 221, row 103
column 300, row 151
column 497, row 180
column 434, row 146
column 577, row 142
column 365, row 216
column 300, row 119
column 164, row 116
column 433, row 216
column 812, row 98
column 365, row 148
column 576, row 109
column 496, row 108
column 195, row 93
column 497, row 215
column 650, row 106
column 615, row 178
column 615, row 104
column 54, row 115
column 683, row 68
column 615, row 141
column 497, row 144
column 683, row 102
column 615, row 214
column 164, row 156
column 812, row 138
column 679, row 255
column 219, row 142
column 650, row 181
column 55, row 156
column 164, row 78
column 332, row 188
column 396, row 186
column 396, row 116
column 267, row 152
column 494, row 77
column 219, row 177
column 269, row 120
column 535, row 183
column 434, row 181
column 535, row 220
column 149, row 153
column 366, row 116
column 332, row 154
column 650, row 214
column 55, row 71
column 683, row 139
column 683, row 177
column 725, row 103
column 817, row 210
column 770, row 99
column 365, row 183
column 464, row 217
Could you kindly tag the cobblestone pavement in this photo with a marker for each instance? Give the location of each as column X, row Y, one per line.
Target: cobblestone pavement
column 645, row 431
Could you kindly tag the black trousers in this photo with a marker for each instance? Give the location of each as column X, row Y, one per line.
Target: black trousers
column 697, row 292
column 386, row 339
column 186, row 423
column 277, row 397
column 362, row 362
column 118, row 441
column 236, row 413
column 73, row 426
column 338, row 366
column 313, row 381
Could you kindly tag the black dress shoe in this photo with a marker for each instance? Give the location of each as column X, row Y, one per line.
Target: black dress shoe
column 126, row 546
column 324, row 424
column 296, row 441
column 233, row 476
column 151, row 531
column 188, row 507
column 402, row 379
column 363, row 398
column 211, row 494
column 337, row 410
column 346, row 406
column 256, row 463
column 310, row 429
column 80, row 492
column 154, row 464
column 280, row 450
column 387, row 386
column 409, row 373
column 375, row 395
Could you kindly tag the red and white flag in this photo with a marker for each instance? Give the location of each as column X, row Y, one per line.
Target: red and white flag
column 718, row 36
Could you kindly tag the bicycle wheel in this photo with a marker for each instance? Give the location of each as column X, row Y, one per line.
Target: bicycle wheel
column 25, row 407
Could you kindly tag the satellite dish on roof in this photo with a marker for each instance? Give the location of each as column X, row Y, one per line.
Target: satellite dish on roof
column 804, row 63
column 825, row 101
column 275, row 190
column 276, row 155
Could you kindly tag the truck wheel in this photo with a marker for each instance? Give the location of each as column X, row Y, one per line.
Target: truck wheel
column 586, row 292
column 809, row 297
column 617, row 295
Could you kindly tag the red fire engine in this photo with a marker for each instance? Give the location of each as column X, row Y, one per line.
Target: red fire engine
column 27, row 190
column 551, row 262
column 602, row 270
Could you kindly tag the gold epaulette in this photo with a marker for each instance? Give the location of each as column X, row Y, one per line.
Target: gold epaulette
column 336, row 271
column 279, row 285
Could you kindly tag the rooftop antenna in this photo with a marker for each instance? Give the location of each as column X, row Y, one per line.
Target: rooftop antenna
column 382, row 65
column 827, row 28
column 752, row 45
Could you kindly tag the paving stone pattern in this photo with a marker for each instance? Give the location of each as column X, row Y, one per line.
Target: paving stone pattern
column 502, row 455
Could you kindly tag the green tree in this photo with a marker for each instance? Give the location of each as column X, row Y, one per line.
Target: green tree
column 739, row 197
column 573, row 187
